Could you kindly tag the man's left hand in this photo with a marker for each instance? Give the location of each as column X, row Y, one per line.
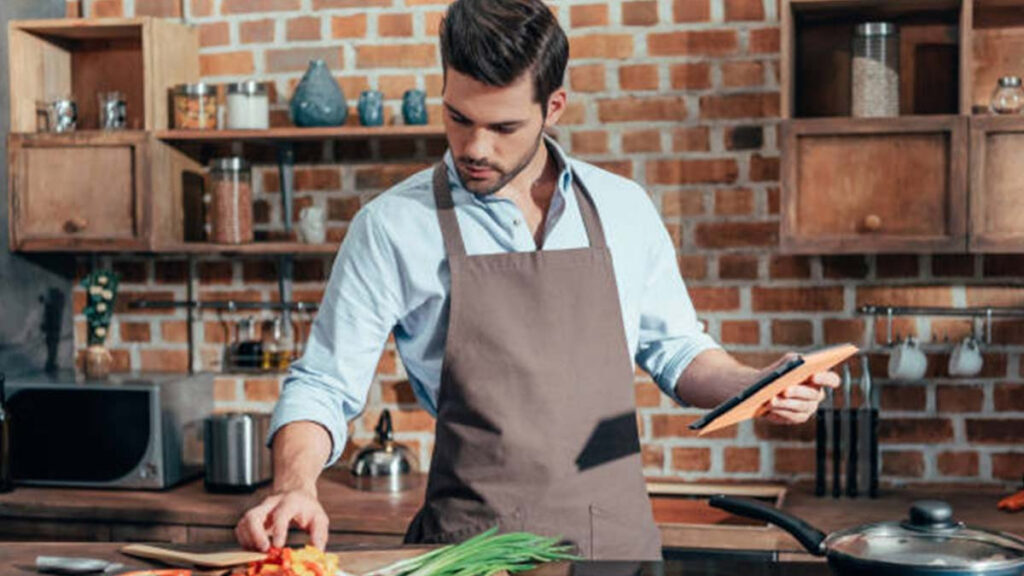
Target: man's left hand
column 796, row 404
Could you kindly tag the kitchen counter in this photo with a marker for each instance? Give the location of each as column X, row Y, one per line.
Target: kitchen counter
column 188, row 513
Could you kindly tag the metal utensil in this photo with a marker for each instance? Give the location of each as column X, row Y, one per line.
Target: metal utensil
column 852, row 440
column 74, row 565
column 871, row 397
column 821, row 443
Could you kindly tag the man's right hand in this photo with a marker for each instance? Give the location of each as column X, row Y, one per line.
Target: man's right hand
column 267, row 523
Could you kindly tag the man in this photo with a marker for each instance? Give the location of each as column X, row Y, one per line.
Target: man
column 518, row 284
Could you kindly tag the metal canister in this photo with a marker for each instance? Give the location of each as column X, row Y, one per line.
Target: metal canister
column 875, row 82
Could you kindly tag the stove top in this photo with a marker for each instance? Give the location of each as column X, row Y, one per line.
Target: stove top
column 693, row 562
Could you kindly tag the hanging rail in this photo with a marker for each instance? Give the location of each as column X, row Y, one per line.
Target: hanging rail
column 229, row 305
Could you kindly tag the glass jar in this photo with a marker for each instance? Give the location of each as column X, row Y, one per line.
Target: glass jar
column 875, row 70
column 247, row 351
column 195, row 106
column 278, row 345
column 1008, row 97
column 248, row 106
column 230, row 201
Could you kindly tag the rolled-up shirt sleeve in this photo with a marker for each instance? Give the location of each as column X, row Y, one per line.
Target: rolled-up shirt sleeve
column 328, row 385
column 670, row 334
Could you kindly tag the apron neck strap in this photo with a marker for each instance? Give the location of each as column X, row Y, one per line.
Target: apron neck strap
column 452, row 235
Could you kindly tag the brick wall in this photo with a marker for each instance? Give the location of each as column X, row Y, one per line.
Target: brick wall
column 681, row 96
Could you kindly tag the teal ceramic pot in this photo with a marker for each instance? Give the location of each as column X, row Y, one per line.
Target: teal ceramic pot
column 414, row 107
column 371, row 108
column 318, row 99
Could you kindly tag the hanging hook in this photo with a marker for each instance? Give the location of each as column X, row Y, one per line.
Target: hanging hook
column 988, row 326
column 888, row 326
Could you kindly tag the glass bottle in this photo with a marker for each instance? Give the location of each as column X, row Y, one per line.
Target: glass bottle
column 1008, row 97
column 247, row 351
column 6, row 477
column 271, row 339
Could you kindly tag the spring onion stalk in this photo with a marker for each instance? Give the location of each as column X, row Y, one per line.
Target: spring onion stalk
column 483, row 555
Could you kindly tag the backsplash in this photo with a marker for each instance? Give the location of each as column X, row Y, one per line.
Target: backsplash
column 681, row 96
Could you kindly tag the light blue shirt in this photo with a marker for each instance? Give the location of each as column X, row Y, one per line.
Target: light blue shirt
column 390, row 275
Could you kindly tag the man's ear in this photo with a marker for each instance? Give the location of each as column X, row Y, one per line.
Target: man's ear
column 556, row 106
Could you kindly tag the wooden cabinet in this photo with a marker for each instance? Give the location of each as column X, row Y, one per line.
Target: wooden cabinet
column 997, row 185
column 863, row 186
column 82, row 191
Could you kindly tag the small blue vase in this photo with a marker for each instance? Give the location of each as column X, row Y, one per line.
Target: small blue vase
column 414, row 107
column 371, row 108
column 318, row 99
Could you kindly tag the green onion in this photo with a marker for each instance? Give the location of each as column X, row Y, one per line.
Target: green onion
column 483, row 555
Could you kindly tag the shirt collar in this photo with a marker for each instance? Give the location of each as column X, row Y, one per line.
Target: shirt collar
column 563, row 189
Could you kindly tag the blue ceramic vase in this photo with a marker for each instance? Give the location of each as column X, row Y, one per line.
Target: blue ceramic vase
column 371, row 108
column 318, row 99
column 414, row 107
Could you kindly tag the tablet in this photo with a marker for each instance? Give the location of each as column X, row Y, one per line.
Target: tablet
column 750, row 391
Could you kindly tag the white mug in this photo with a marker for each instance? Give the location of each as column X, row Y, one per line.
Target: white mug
column 966, row 358
column 907, row 361
column 311, row 225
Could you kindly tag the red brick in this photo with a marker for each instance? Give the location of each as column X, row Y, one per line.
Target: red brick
column 915, row 430
column 416, row 420
column 641, row 141
column 1008, row 466
column 262, row 389
column 736, row 234
column 638, row 77
column 739, row 459
column 766, row 430
column 134, row 331
column 237, row 295
column 742, row 73
column 584, row 15
column 256, row 31
column 297, row 59
column 958, row 398
column 575, row 113
column 789, row 267
column 691, row 10
column 607, row 46
column 73, row 9
column 692, row 171
column 641, row 109
column 764, row 169
column 811, row 299
column 764, row 40
column 706, row 299
column 902, row 397
column 201, row 8
column 396, row 56
column 653, row 456
column 647, row 395
column 903, row 463
column 993, row 431
column 158, row 8
column 693, row 267
column 792, row 332
column 126, row 297
column 587, row 78
column 844, row 330
column 905, row 295
column 734, row 201
column 692, row 76
column 353, row 26
column 175, row 331
column 217, row 332
column 694, row 139
column 387, row 363
column 214, row 34
column 392, row 25
column 693, row 43
column 164, row 360
column 252, row 6
column 640, row 13
column 623, row 168
column 794, row 460
column 682, row 203
column 303, row 28
column 384, row 176
column 1008, row 397
column 737, row 267
column 106, row 9
column 226, row 64
column 758, row 105
column 329, row 4
column 995, row 296
column 590, row 142
column 225, row 389
column 397, row 392
column 216, row 272
column 953, row 265
column 958, row 464
column 773, row 199
column 691, row 459
column 744, row 10
column 745, row 332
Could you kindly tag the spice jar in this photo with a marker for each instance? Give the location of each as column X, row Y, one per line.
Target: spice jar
column 230, row 201
column 1008, row 97
column 248, row 106
column 195, row 106
column 278, row 345
column 875, row 85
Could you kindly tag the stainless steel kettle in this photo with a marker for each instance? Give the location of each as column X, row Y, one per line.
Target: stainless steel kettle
column 384, row 465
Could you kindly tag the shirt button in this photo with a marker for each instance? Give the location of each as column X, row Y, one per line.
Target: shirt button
column 515, row 222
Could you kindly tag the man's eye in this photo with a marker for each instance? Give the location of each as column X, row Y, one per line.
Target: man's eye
column 460, row 120
column 504, row 129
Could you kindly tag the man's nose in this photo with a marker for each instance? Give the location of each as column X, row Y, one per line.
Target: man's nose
column 479, row 146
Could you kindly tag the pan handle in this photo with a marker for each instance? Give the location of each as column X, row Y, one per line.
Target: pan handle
column 809, row 537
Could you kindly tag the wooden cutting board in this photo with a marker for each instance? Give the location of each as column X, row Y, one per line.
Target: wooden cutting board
column 352, row 561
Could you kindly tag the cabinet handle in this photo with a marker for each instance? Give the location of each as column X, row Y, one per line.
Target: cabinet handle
column 76, row 224
column 872, row 223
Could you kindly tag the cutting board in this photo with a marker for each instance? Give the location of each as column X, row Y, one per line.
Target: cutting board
column 351, row 561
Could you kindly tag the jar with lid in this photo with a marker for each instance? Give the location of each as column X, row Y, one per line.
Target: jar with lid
column 875, row 81
column 277, row 345
column 248, row 106
column 195, row 106
column 247, row 351
column 230, row 201
column 1008, row 97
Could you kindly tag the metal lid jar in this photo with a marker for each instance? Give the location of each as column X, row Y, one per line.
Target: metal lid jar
column 248, row 106
column 230, row 201
column 875, row 70
column 195, row 106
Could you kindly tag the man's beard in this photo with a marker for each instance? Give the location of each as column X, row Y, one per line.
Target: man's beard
column 504, row 177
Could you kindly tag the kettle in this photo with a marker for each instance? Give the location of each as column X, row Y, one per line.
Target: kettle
column 384, row 465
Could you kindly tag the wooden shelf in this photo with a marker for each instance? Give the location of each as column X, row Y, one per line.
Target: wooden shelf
column 295, row 134
column 251, row 248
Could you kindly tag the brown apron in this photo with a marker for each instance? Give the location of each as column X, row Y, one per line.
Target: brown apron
column 536, row 425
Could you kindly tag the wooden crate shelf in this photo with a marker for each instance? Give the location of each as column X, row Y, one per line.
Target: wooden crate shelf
column 295, row 134
column 256, row 248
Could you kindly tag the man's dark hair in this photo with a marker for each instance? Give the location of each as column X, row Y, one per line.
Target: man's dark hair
column 496, row 41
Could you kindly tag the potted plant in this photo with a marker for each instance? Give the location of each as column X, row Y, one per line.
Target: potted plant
column 101, row 291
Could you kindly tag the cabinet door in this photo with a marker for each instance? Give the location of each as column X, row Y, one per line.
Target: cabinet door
column 874, row 185
column 78, row 191
column 997, row 184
